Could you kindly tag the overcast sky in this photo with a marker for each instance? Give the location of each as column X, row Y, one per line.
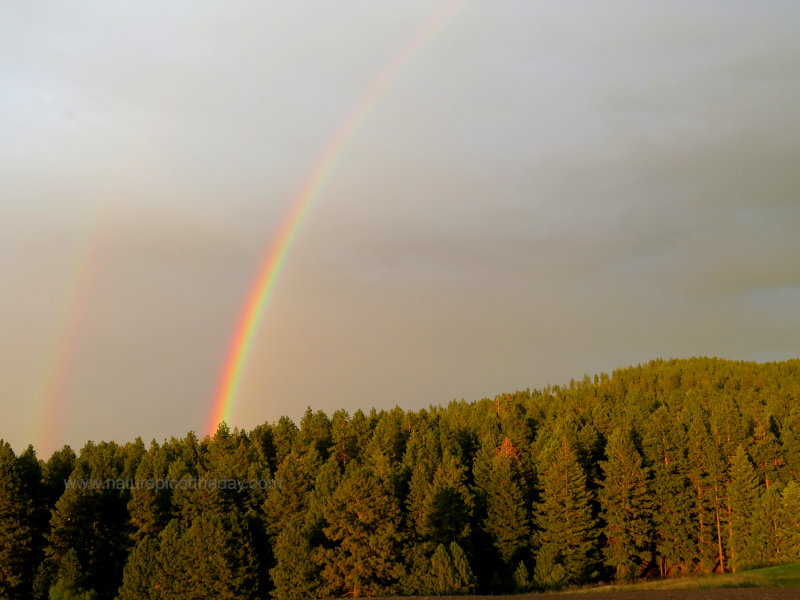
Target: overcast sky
column 546, row 189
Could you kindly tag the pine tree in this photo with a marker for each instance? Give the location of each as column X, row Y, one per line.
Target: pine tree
column 95, row 522
column 54, row 472
column 790, row 448
column 566, row 528
column 142, row 571
column 707, row 473
column 445, row 572
column 626, row 503
column 506, row 515
column 17, row 519
column 550, row 572
column 315, row 432
column 674, row 515
column 70, row 580
column 522, row 581
column 363, row 554
column 450, row 572
column 766, row 451
column 789, row 522
column 742, row 502
column 295, row 575
column 296, row 474
column 465, row 580
column 150, row 509
column 213, row 558
column 766, row 530
column 448, row 504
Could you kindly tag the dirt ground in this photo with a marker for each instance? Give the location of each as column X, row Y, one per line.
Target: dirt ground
column 710, row 594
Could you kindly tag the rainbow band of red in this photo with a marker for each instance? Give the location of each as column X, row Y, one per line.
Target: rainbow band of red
column 275, row 259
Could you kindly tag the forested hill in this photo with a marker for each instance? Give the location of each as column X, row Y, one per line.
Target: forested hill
column 668, row 467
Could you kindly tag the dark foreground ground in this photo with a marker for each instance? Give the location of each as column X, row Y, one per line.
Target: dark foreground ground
column 708, row 594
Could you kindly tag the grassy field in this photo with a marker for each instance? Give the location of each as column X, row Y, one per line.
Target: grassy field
column 781, row 576
column 771, row 583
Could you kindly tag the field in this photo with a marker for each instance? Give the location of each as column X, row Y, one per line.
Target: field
column 771, row 583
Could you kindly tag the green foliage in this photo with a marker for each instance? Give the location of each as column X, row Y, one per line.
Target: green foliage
column 666, row 468
column 63, row 590
column 213, row 558
column 450, row 572
column 142, row 572
column 789, row 522
column 94, row 522
column 445, row 572
column 70, row 580
column 295, row 576
column 626, row 502
column 550, row 572
column 567, row 530
column 363, row 554
column 522, row 580
column 506, row 514
column 674, row 516
column 447, row 507
column 766, row 530
column 17, row 527
column 742, row 501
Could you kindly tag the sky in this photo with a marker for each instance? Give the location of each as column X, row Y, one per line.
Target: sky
column 543, row 190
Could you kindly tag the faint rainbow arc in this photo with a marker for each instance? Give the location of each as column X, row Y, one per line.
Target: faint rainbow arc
column 275, row 259
column 63, row 347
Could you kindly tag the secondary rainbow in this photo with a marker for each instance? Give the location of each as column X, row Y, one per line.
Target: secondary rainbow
column 251, row 316
column 76, row 298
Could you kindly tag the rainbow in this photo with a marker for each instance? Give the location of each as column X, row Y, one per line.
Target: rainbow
column 64, row 345
column 275, row 259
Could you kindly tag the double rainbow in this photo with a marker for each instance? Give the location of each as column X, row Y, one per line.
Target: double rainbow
column 275, row 259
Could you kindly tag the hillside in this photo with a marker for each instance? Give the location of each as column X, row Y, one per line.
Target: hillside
column 668, row 468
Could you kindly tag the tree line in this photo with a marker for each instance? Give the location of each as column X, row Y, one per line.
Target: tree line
column 658, row 470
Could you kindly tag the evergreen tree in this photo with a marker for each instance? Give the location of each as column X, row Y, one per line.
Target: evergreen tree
column 506, row 515
column 707, row 473
column 450, row 571
column 315, row 432
column 789, row 522
column 94, row 521
column 445, row 572
column 150, row 508
column 742, row 502
column 626, row 503
column 566, row 533
column 63, row 591
column 296, row 474
column 363, row 554
column 673, row 517
column 17, row 531
column 766, row 451
column 142, row 572
column 790, row 447
column 55, row 471
column 447, row 507
column 550, row 572
column 70, row 580
column 295, row 575
column 213, row 558
column 766, row 529
column 522, row 581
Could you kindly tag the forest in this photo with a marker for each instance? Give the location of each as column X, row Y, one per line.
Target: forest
column 660, row 470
